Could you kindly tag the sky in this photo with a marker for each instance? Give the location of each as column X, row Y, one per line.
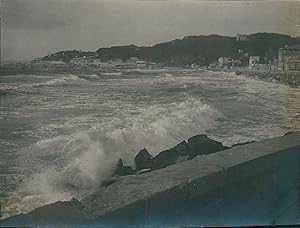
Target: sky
column 35, row 28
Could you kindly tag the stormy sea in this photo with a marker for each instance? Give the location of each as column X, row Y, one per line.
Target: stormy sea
column 60, row 135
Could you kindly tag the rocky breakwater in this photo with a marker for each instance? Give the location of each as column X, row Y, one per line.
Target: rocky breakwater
column 145, row 162
column 146, row 166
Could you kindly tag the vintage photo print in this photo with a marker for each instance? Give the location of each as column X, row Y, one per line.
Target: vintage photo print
column 149, row 113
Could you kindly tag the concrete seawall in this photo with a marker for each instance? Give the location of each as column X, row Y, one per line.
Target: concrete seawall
column 256, row 184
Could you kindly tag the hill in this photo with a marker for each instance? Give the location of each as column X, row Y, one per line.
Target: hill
column 201, row 50
column 66, row 56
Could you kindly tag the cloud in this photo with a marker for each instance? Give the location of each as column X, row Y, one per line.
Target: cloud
column 33, row 14
column 33, row 28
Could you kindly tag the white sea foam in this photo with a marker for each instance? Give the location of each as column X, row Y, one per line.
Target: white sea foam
column 81, row 163
column 156, row 127
column 164, row 79
column 75, row 164
column 60, row 81
column 23, row 89
column 77, row 168
column 112, row 74
column 7, row 86
column 90, row 76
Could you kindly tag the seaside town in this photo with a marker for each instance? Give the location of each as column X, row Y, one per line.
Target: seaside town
column 94, row 62
column 288, row 59
column 279, row 65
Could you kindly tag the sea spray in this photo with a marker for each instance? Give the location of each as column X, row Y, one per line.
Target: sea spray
column 79, row 169
column 156, row 127
column 82, row 164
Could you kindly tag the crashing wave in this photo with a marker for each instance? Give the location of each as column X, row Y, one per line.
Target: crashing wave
column 59, row 81
column 23, row 89
column 73, row 165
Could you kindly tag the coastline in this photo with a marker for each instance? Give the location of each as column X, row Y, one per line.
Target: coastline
column 14, row 69
column 291, row 78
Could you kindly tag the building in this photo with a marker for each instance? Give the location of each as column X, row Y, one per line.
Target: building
column 289, row 58
column 91, row 61
column 227, row 62
column 254, row 62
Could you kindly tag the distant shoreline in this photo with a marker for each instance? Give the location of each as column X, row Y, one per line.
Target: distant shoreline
column 291, row 78
column 14, row 69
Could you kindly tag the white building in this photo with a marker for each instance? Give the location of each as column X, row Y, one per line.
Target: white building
column 254, row 62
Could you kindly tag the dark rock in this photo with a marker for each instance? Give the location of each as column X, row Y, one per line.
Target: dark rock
column 143, row 160
column 180, row 152
column 76, row 203
column 165, row 158
column 183, row 158
column 184, row 148
column 122, row 170
column 201, row 144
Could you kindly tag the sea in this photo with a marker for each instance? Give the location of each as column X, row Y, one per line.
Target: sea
column 62, row 134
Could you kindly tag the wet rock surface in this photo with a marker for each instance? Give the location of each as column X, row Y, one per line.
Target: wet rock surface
column 122, row 170
column 196, row 145
column 180, row 152
column 143, row 160
column 201, row 144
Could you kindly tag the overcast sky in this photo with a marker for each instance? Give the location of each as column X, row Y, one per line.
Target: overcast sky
column 34, row 28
